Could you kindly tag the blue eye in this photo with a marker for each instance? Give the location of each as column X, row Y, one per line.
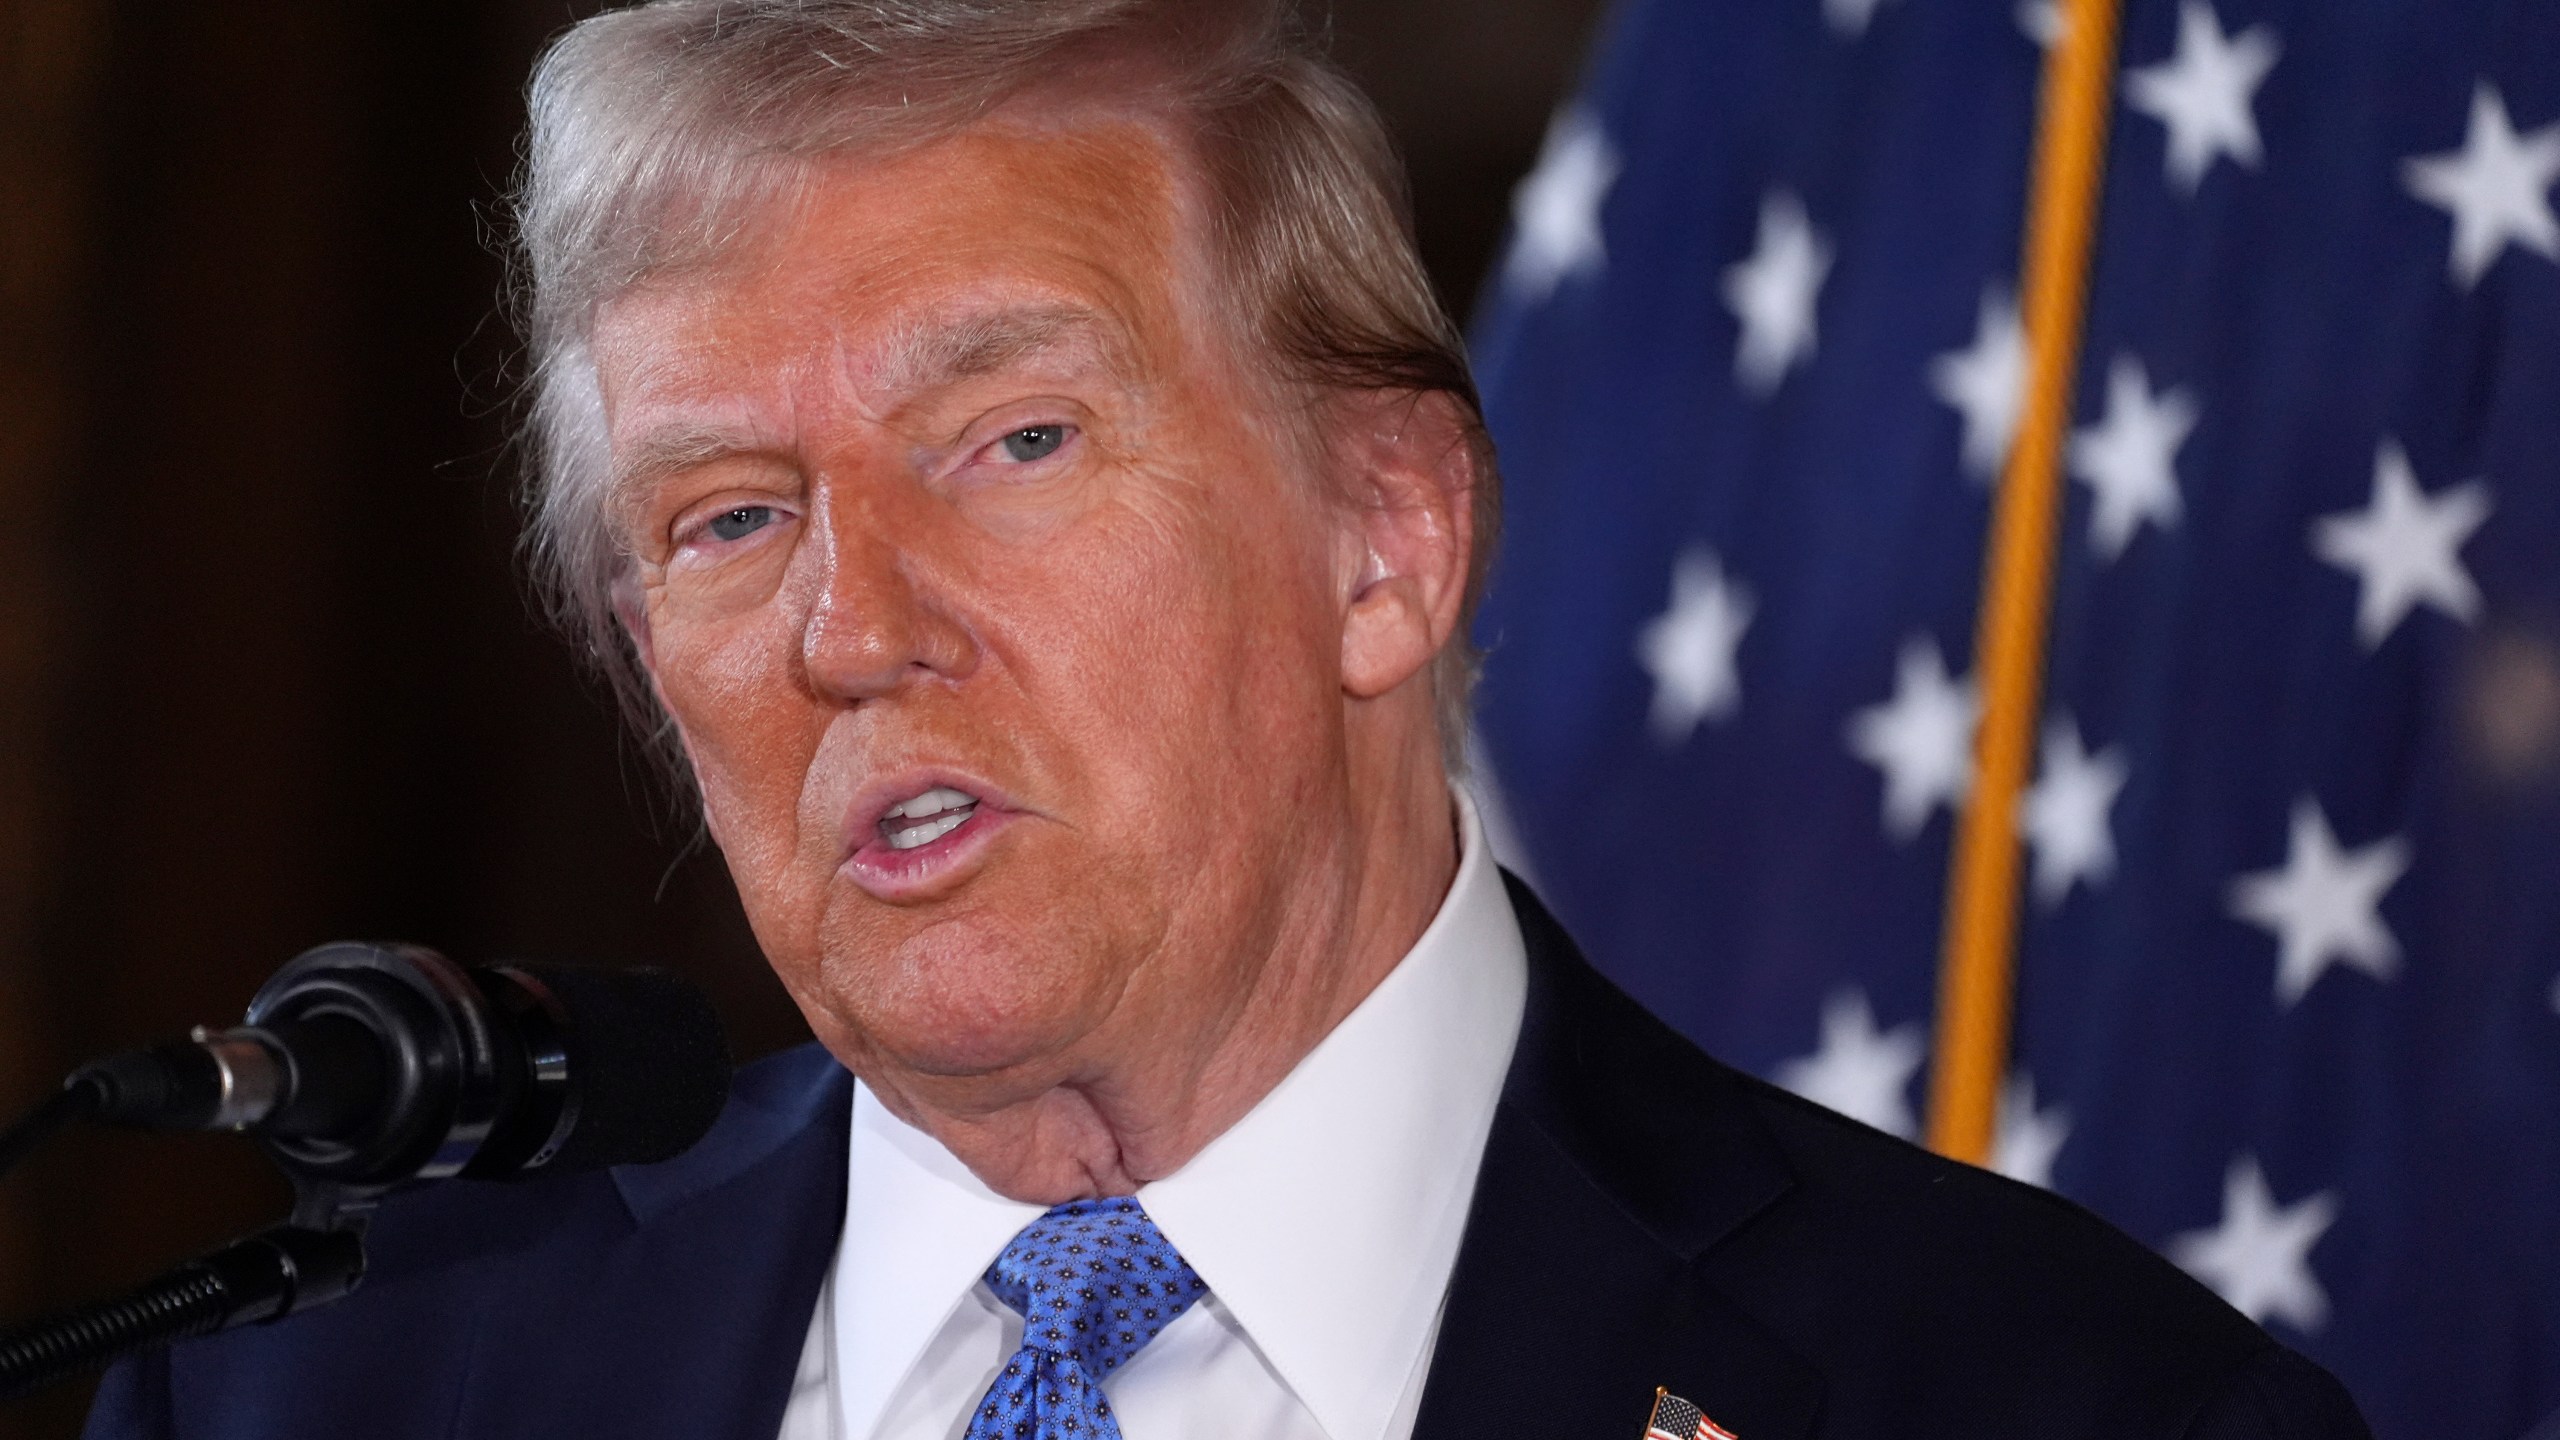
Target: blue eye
column 739, row 523
column 1034, row 442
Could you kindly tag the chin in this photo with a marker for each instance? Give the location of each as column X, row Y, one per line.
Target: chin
column 962, row 996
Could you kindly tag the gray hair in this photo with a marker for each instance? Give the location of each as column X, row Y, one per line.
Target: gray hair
column 656, row 129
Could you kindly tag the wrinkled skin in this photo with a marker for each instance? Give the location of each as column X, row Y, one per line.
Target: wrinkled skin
column 949, row 474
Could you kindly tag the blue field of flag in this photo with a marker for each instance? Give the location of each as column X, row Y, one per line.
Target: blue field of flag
column 2288, row 996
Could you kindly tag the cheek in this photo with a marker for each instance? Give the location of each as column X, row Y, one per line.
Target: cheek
column 729, row 685
column 1247, row 618
column 1192, row 647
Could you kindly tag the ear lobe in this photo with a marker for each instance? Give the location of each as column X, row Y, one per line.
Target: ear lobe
column 1407, row 464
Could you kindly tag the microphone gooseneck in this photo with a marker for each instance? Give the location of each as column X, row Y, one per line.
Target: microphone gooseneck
column 266, row 1277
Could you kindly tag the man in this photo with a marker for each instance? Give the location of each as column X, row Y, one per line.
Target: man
column 1012, row 446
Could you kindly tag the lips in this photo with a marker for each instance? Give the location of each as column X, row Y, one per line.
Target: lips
column 919, row 834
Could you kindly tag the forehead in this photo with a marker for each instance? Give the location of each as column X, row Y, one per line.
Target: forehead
column 964, row 252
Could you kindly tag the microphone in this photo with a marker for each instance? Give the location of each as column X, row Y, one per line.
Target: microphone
column 364, row 1066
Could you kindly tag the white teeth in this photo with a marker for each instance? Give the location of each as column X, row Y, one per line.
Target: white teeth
column 927, row 817
column 929, row 831
column 931, row 802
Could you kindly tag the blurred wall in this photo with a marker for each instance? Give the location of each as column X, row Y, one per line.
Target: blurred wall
column 267, row 676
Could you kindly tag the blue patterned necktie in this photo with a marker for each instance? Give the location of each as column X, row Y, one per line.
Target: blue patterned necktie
column 1095, row 1280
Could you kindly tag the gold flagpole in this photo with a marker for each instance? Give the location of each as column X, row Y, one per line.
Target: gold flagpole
column 1975, row 973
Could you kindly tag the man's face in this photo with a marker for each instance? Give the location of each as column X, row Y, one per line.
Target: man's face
column 1001, row 622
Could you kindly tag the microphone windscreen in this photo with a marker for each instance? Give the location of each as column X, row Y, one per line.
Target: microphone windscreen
column 647, row 1064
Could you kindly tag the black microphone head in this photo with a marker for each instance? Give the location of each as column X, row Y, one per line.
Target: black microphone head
column 399, row 1065
column 648, row 1069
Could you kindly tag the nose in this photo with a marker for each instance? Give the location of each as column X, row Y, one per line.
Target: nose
column 878, row 624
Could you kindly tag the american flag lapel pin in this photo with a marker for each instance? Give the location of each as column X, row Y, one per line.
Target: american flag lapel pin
column 1677, row 1419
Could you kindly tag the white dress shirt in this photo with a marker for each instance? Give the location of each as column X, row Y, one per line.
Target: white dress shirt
column 1326, row 1222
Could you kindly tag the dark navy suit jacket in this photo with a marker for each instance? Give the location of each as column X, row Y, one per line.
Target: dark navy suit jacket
column 1644, row 1217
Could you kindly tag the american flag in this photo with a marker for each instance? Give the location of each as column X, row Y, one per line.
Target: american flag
column 2287, row 982
column 1677, row 1419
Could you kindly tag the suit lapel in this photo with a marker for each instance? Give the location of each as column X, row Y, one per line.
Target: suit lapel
column 692, row 1314
column 1619, row 1156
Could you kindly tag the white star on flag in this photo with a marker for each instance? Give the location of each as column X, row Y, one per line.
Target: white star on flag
column 2129, row 458
column 1557, row 208
column 2258, row 1259
column 1922, row 739
column 1851, row 17
column 2324, row 904
column 1773, row 292
column 2041, row 21
column 2065, row 814
column 2405, row 547
column 1689, row 647
column 2495, row 187
column 1860, row 1071
column 2203, row 93
column 2026, row 1140
column 1987, row 382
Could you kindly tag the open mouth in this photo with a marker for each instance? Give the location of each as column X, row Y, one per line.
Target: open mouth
column 925, row 818
column 918, row 836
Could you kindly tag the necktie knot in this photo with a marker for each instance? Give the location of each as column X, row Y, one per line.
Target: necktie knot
column 1094, row 1280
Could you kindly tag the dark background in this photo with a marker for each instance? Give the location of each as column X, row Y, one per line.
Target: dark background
column 267, row 672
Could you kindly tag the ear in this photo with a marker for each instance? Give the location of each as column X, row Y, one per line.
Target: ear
column 1406, row 465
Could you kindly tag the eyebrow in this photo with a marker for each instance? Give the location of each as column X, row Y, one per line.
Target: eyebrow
column 933, row 352
column 662, row 453
column 920, row 356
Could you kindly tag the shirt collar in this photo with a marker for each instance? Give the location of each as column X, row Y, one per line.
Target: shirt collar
column 1326, row 1221
column 919, row 1229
